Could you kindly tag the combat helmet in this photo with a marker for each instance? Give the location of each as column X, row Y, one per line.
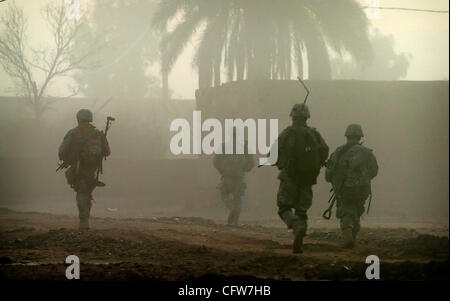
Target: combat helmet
column 354, row 130
column 300, row 110
column 84, row 115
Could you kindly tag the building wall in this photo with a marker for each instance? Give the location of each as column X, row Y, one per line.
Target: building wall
column 405, row 123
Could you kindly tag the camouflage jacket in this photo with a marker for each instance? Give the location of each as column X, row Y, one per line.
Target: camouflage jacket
column 286, row 140
column 354, row 163
column 233, row 165
column 74, row 140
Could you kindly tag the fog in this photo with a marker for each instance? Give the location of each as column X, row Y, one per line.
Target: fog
column 391, row 76
column 423, row 36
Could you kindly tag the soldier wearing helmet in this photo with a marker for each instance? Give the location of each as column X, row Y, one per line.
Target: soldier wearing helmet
column 354, row 131
column 84, row 116
column 83, row 148
column 300, row 111
column 301, row 153
column 233, row 169
column 350, row 169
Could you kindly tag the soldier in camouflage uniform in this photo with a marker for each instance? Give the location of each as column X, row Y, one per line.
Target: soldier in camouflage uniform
column 232, row 168
column 83, row 148
column 295, row 194
column 350, row 169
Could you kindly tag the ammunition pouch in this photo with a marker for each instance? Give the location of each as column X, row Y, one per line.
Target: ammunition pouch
column 71, row 175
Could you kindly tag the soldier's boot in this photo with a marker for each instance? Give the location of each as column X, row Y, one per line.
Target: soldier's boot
column 84, row 225
column 236, row 217
column 235, row 212
column 299, row 234
column 348, row 238
column 230, row 218
column 233, row 217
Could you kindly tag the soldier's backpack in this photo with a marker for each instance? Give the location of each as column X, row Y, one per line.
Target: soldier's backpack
column 91, row 147
column 305, row 159
column 350, row 170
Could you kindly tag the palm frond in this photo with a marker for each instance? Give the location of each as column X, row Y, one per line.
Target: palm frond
column 211, row 47
column 175, row 41
column 344, row 25
column 168, row 9
column 307, row 31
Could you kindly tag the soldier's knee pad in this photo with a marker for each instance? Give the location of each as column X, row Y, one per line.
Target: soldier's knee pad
column 288, row 217
column 301, row 214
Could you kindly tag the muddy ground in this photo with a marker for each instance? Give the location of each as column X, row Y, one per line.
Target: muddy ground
column 35, row 245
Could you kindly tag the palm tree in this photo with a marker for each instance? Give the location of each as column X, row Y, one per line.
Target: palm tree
column 262, row 39
column 127, row 55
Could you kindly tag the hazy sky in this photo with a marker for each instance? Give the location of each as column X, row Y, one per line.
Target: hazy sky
column 423, row 35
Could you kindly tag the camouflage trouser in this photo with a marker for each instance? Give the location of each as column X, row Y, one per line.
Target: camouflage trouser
column 84, row 188
column 292, row 196
column 349, row 211
column 231, row 191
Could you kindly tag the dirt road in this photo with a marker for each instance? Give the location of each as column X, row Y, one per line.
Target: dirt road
column 35, row 245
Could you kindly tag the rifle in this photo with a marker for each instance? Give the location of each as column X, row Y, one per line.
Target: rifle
column 327, row 213
column 109, row 120
column 62, row 165
column 370, row 201
column 306, row 88
column 65, row 165
column 304, row 102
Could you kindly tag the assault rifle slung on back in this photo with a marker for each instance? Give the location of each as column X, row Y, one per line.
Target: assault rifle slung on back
column 109, row 120
column 304, row 103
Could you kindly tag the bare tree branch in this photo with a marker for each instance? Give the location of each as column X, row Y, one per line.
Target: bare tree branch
column 22, row 63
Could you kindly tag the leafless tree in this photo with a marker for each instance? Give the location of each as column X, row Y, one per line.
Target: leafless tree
column 33, row 70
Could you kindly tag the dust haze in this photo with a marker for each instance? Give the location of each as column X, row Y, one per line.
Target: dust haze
column 142, row 63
